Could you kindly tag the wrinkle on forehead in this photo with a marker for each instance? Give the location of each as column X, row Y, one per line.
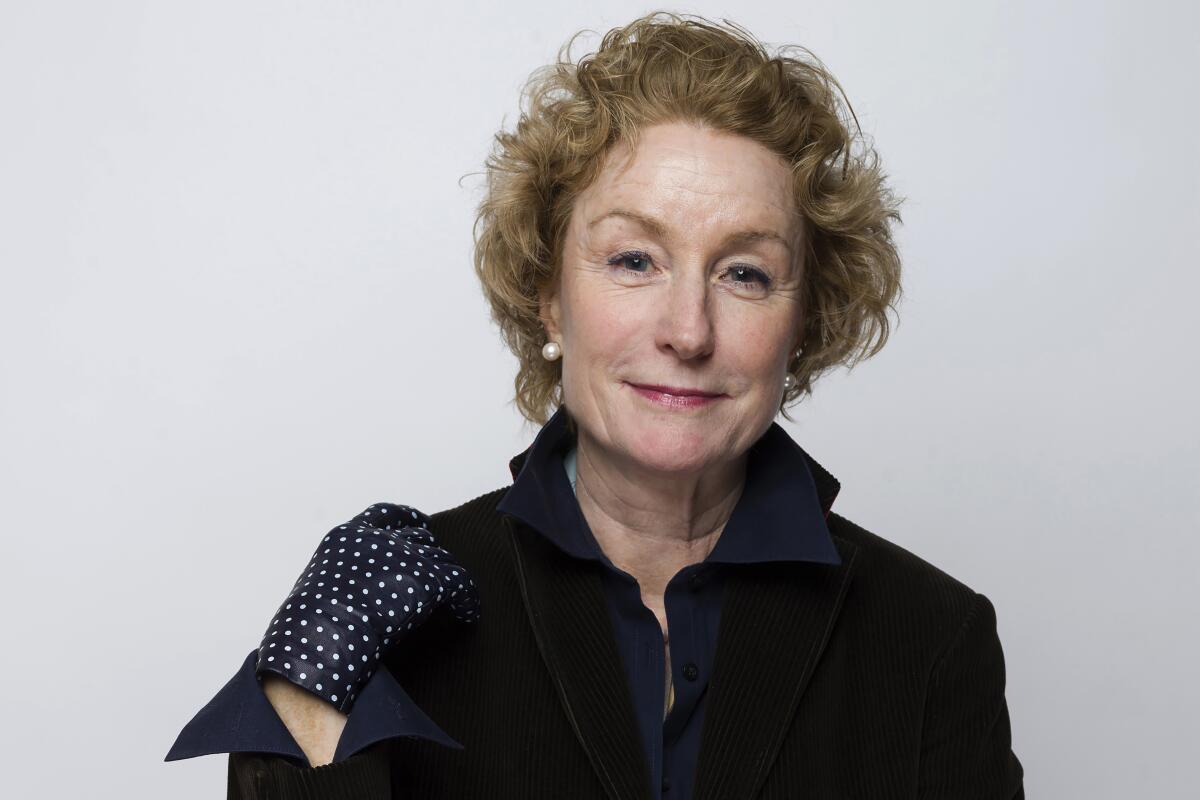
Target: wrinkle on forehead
column 676, row 176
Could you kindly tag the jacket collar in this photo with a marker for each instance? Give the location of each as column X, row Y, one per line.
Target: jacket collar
column 776, row 618
column 780, row 516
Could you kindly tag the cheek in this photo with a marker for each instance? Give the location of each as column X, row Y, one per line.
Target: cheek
column 756, row 343
column 608, row 322
column 759, row 363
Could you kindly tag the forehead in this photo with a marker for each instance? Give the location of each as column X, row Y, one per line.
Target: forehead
column 685, row 174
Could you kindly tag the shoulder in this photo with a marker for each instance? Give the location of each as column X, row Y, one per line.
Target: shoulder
column 893, row 562
column 898, row 587
column 478, row 511
column 473, row 527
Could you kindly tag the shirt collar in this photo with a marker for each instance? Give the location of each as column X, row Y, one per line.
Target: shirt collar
column 780, row 516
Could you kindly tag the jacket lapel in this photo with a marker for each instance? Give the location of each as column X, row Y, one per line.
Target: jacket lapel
column 776, row 618
column 775, row 621
column 565, row 603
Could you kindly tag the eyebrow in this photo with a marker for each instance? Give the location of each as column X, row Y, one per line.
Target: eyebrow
column 657, row 228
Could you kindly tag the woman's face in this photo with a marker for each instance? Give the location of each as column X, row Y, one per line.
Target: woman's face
column 681, row 269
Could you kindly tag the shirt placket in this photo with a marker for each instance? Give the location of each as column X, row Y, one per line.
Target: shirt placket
column 688, row 663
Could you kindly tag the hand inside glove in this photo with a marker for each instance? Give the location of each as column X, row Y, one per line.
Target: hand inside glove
column 370, row 581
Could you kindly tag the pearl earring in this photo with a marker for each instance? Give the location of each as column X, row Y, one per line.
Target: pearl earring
column 551, row 351
column 789, row 382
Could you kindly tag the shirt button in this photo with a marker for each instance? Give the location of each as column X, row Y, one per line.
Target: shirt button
column 690, row 671
column 666, row 784
column 696, row 581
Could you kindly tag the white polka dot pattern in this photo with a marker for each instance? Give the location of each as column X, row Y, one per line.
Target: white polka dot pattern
column 369, row 582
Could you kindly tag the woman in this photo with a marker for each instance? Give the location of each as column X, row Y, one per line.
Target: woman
column 676, row 241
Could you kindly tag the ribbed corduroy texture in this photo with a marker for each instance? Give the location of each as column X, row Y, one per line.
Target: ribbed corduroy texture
column 881, row 677
column 365, row 776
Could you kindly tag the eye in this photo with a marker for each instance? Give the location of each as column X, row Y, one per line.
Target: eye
column 631, row 257
column 638, row 263
column 749, row 276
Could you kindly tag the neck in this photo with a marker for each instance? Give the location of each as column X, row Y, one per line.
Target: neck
column 652, row 524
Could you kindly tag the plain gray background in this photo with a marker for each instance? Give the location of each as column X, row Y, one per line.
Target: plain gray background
column 238, row 307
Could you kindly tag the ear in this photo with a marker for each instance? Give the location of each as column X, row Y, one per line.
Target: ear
column 798, row 336
column 550, row 313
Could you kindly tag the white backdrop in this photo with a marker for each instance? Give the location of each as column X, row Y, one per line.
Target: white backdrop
column 238, row 307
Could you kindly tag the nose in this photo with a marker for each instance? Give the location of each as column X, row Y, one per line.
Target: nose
column 686, row 324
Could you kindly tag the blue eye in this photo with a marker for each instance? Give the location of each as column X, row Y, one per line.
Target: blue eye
column 742, row 271
column 744, row 275
column 632, row 255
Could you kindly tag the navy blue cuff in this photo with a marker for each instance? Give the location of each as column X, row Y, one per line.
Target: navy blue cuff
column 383, row 710
column 240, row 718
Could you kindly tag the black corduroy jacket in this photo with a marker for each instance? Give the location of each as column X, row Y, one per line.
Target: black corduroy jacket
column 880, row 677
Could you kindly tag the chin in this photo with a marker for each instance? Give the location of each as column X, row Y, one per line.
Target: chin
column 669, row 446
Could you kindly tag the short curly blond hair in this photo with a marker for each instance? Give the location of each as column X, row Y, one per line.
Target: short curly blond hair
column 667, row 67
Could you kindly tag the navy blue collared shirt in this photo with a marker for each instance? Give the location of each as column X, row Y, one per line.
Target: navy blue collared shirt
column 778, row 517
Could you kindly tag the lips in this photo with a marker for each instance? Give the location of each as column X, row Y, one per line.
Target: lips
column 677, row 391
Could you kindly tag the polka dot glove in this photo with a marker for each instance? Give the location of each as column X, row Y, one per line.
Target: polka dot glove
column 370, row 580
